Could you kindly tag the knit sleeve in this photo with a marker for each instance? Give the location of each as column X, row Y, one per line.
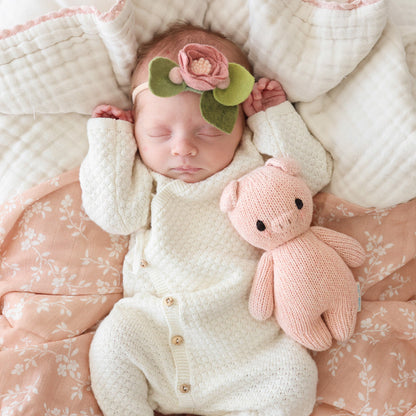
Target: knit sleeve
column 116, row 186
column 280, row 131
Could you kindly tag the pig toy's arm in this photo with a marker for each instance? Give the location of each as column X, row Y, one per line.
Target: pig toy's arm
column 261, row 303
column 347, row 247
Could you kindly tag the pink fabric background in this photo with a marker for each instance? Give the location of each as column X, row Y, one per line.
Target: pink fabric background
column 60, row 275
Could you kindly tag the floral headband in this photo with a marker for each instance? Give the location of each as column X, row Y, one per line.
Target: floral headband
column 205, row 70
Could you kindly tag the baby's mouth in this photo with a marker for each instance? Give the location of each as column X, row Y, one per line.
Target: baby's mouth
column 187, row 169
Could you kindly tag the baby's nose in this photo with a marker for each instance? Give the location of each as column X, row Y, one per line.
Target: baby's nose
column 183, row 146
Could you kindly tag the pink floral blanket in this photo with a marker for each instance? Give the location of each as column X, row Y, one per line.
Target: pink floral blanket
column 60, row 275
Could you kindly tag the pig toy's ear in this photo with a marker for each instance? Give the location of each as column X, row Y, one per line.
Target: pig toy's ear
column 229, row 197
column 287, row 164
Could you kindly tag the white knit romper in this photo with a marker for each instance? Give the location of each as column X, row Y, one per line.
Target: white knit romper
column 182, row 339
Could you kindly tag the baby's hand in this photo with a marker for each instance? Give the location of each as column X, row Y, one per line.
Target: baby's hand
column 109, row 111
column 266, row 93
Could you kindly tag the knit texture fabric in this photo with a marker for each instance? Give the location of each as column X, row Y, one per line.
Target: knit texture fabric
column 183, row 340
column 303, row 275
column 280, row 131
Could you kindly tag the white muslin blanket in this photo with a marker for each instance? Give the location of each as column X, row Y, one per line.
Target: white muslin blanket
column 348, row 65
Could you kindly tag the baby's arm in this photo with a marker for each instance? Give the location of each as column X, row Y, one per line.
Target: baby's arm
column 280, row 131
column 116, row 186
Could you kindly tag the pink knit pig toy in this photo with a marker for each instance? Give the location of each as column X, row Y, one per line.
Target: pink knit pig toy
column 303, row 275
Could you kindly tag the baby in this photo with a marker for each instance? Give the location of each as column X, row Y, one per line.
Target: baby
column 182, row 339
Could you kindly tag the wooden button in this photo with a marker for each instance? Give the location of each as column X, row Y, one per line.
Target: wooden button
column 169, row 301
column 177, row 340
column 143, row 263
column 184, row 388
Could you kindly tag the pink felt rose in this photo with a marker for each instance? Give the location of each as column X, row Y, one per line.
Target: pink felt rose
column 203, row 67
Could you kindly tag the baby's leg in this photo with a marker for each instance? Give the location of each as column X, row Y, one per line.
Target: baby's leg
column 118, row 385
column 278, row 381
column 288, row 383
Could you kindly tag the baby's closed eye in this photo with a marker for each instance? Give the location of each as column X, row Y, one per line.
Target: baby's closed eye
column 209, row 132
column 158, row 132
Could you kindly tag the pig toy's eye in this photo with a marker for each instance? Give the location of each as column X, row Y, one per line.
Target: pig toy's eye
column 299, row 203
column 260, row 225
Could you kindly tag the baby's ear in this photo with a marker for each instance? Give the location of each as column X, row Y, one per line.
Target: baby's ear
column 287, row 164
column 229, row 197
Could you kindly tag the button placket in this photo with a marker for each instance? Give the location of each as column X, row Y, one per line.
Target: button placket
column 171, row 307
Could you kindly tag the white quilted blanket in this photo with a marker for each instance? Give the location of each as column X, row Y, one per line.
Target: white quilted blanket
column 350, row 65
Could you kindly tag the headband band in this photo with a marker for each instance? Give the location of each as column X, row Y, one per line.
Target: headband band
column 138, row 90
column 205, row 70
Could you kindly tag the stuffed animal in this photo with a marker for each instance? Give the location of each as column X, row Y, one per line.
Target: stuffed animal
column 303, row 275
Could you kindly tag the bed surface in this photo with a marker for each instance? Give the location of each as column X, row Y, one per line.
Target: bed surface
column 346, row 64
column 349, row 67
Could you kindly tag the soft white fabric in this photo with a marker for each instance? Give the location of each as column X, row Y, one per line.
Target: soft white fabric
column 93, row 52
column 331, row 57
column 68, row 64
column 16, row 13
column 34, row 148
column 314, row 48
column 70, row 60
column 308, row 48
column 280, row 131
column 191, row 252
column 368, row 124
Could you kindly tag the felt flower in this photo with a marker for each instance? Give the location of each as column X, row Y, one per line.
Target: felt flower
column 202, row 67
column 204, row 70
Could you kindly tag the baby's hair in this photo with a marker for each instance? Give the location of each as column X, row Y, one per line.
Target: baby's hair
column 175, row 37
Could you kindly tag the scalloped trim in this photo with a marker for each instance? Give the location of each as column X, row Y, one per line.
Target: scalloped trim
column 345, row 5
column 66, row 12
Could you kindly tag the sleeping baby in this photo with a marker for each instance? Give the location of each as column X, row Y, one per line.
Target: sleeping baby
column 182, row 339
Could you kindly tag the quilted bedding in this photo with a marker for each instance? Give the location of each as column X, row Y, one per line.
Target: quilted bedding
column 349, row 66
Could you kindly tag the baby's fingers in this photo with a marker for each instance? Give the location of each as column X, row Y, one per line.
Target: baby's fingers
column 273, row 85
column 248, row 106
column 262, row 83
column 256, row 93
column 101, row 110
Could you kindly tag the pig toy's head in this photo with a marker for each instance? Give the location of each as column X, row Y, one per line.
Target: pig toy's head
column 270, row 205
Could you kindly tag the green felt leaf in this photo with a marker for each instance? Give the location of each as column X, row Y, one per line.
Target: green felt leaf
column 159, row 82
column 241, row 85
column 220, row 116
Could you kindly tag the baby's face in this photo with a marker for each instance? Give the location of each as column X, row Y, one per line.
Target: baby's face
column 175, row 141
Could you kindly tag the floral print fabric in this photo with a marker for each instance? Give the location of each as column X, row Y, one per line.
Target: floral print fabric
column 60, row 275
column 374, row 373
